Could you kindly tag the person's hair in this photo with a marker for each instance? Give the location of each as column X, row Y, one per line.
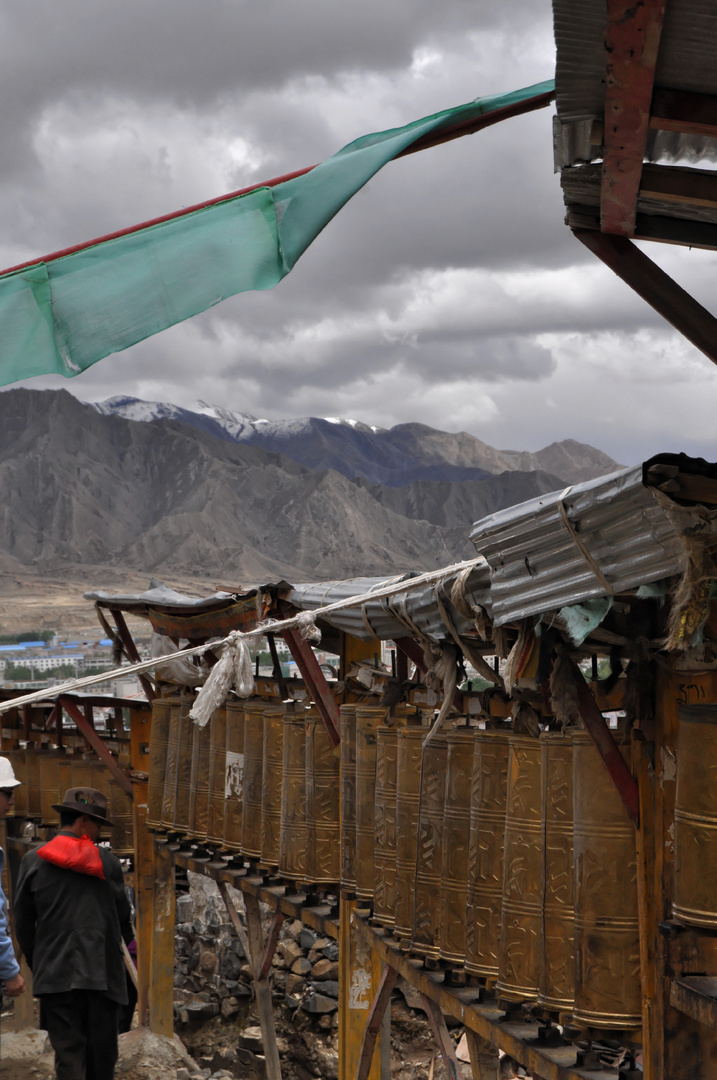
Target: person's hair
column 68, row 818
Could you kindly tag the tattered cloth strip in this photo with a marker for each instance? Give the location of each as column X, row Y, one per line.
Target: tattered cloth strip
column 233, row 669
column 442, row 675
column 472, row 655
column 692, row 596
column 563, row 691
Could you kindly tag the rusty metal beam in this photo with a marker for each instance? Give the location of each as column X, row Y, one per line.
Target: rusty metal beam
column 632, row 39
column 676, row 305
column 443, row 1040
column 131, row 652
column 72, row 709
column 678, row 110
column 601, row 735
column 271, row 939
column 374, row 1021
column 316, row 683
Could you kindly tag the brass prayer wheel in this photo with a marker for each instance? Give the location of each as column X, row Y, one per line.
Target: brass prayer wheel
column 234, row 776
column 217, row 775
column 323, row 859
column 607, row 945
column 384, row 832
column 32, row 767
column 522, row 915
column 119, row 810
column 175, row 797
column 456, row 837
column 253, row 775
column 489, row 794
column 199, row 781
column 368, row 720
column 557, row 953
column 695, row 900
column 49, row 770
column 348, row 798
column 429, row 848
column 410, row 744
column 161, row 708
column 271, row 785
column 292, row 844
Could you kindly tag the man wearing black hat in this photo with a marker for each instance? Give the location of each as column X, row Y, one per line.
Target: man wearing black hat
column 71, row 913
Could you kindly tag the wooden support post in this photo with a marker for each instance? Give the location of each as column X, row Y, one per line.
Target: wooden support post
column 443, row 1040
column 235, row 920
column 72, row 709
column 316, row 683
column 140, row 732
column 271, row 939
column 606, row 746
column 485, row 1061
column 131, row 652
column 359, row 982
column 374, row 1021
column 161, row 1002
column 262, row 987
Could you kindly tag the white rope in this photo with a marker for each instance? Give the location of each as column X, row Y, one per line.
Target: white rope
column 273, row 625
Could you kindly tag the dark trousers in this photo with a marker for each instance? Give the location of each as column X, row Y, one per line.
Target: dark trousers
column 82, row 1027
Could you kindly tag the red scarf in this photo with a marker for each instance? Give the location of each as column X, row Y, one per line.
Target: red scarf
column 77, row 853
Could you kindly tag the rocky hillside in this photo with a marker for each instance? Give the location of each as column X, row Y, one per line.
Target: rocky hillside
column 88, row 490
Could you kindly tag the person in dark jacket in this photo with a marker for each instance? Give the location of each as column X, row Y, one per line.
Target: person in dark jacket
column 71, row 913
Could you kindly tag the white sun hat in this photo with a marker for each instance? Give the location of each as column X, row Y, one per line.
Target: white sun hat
column 7, row 776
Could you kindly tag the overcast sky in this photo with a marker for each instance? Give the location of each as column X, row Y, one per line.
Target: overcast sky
column 448, row 291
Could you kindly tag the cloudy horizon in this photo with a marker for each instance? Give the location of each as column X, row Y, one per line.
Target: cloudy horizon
column 447, row 292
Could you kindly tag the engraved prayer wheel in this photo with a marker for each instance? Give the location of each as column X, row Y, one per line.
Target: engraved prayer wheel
column 429, row 848
column 557, row 952
column 607, row 946
column 19, row 767
column 161, row 708
column 368, row 719
column 49, row 769
column 408, row 780
column 489, row 794
column 292, row 844
column 253, row 775
column 32, row 768
column 456, row 837
column 198, row 818
column 271, row 785
column 522, row 915
column 384, row 831
column 217, row 776
column 323, row 832
column 175, row 797
column 695, row 902
column 119, row 810
column 348, row 798
column 234, row 776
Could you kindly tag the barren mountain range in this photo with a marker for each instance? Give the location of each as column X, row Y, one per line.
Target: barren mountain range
column 112, row 494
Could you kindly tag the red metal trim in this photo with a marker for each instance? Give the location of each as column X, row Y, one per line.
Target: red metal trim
column 656, row 287
column 632, row 39
column 271, row 939
column 600, row 733
column 71, row 707
column 374, row 1021
column 316, row 683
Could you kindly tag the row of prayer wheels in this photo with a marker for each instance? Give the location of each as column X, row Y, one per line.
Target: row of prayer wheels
column 508, row 857
column 46, row 773
column 258, row 780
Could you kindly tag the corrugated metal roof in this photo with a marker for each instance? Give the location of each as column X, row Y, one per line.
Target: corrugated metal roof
column 633, row 535
column 161, row 595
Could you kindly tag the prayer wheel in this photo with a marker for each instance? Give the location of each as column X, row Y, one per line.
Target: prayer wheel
column 695, row 902
column 557, row 952
column 607, row 946
column 49, row 769
column 271, row 785
column 32, row 767
column 217, row 776
column 198, row 818
column 489, row 794
column 429, row 848
column 384, row 833
column 456, row 837
column 292, row 845
column 368, row 719
column 177, row 778
column 253, row 775
column 323, row 858
column 161, row 708
column 19, row 767
column 348, row 799
column 522, row 915
column 234, row 776
column 119, row 810
column 408, row 781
